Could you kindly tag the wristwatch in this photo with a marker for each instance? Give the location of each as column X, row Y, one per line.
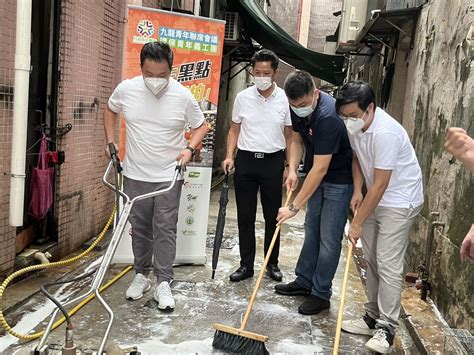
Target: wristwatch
column 191, row 149
column 292, row 208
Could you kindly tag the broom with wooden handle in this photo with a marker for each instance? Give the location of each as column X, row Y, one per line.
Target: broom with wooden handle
column 238, row 340
column 343, row 298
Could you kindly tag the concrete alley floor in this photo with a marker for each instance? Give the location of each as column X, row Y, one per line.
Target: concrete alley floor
column 200, row 302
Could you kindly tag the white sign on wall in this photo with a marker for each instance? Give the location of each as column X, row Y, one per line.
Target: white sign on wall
column 192, row 221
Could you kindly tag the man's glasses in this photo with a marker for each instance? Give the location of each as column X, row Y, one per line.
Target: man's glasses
column 344, row 118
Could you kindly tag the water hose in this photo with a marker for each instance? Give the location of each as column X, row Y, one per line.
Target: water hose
column 5, row 283
column 55, row 301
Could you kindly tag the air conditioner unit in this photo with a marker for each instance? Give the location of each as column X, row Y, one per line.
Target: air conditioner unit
column 353, row 19
column 231, row 32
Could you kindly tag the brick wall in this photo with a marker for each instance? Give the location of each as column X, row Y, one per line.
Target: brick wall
column 7, row 75
column 285, row 14
column 90, row 63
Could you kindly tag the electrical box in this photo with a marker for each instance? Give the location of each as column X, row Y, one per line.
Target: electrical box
column 353, row 19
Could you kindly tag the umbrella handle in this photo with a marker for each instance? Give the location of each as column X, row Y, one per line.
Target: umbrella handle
column 264, row 266
column 226, row 178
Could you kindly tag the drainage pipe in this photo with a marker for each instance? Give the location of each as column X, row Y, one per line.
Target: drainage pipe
column 43, row 258
column 20, row 111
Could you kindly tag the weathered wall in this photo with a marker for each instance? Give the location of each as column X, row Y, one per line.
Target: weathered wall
column 285, row 14
column 322, row 22
column 438, row 95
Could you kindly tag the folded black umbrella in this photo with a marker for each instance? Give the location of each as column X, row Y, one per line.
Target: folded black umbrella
column 223, row 200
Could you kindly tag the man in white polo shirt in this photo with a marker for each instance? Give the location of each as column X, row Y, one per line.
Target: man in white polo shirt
column 261, row 130
column 156, row 109
column 386, row 160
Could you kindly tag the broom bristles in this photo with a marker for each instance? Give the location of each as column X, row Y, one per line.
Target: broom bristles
column 238, row 344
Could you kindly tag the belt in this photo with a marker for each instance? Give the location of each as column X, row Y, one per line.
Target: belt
column 259, row 155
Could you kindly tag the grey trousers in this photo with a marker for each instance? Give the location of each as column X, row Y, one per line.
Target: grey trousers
column 384, row 242
column 154, row 224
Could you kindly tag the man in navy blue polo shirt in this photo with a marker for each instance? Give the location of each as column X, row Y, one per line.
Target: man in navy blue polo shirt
column 328, row 188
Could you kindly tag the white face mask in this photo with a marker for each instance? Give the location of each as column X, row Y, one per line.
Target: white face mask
column 303, row 111
column 156, row 85
column 354, row 124
column 262, row 82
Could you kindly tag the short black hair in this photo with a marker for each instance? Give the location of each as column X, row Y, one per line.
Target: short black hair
column 355, row 91
column 265, row 55
column 298, row 84
column 158, row 52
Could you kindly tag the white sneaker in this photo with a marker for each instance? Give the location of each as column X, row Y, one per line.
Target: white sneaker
column 164, row 297
column 139, row 286
column 364, row 326
column 381, row 342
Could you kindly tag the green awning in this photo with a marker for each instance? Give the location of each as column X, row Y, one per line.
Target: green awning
column 271, row 36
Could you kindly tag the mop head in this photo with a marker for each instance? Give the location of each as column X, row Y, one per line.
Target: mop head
column 238, row 344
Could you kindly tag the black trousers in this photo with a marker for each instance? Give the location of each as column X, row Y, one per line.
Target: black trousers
column 254, row 171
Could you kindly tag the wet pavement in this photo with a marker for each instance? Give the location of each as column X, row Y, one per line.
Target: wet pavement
column 200, row 302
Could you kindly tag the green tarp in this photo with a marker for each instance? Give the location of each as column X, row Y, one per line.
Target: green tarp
column 271, row 36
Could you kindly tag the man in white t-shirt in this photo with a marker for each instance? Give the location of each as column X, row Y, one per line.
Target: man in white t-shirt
column 156, row 109
column 386, row 160
column 261, row 130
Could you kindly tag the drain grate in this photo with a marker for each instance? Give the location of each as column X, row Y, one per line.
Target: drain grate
column 228, row 241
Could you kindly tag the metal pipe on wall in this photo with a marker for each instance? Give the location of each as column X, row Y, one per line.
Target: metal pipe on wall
column 20, row 111
column 197, row 7
column 212, row 9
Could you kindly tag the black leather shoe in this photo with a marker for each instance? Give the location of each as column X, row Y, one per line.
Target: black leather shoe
column 313, row 305
column 292, row 289
column 274, row 272
column 241, row 273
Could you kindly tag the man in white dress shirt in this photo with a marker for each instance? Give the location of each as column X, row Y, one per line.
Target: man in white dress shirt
column 261, row 130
